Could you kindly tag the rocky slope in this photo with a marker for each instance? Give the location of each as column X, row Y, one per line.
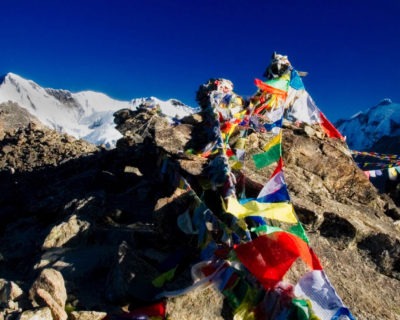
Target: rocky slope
column 84, row 229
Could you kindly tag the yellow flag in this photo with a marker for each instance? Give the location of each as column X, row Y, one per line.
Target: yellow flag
column 274, row 141
column 280, row 211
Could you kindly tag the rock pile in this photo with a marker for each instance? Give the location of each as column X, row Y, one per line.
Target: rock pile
column 85, row 230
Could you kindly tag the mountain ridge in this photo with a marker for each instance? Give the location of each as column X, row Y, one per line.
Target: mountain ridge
column 85, row 115
column 366, row 130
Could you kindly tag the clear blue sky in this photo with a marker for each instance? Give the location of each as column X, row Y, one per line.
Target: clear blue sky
column 136, row 48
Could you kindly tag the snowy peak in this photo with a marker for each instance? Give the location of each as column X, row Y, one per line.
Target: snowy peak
column 65, row 111
column 85, row 115
column 385, row 102
column 171, row 108
column 365, row 129
column 12, row 83
column 50, row 106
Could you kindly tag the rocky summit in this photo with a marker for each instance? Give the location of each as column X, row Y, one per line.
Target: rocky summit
column 84, row 230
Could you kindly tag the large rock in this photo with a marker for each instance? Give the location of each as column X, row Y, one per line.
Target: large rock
column 87, row 315
column 12, row 297
column 64, row 232
column 9, row 291
column 49, row 290
column 43, row 313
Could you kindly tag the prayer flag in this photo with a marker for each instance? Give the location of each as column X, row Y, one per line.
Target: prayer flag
column 155, row 310
column 295, row 229
column 329, row 128
column 274, row 127
column 273, row 142
column 281, row 82
column 264, row 159
column 295, row 81
column 315, row 286
column 280, row 211
column 275, row 189
column 269, row 257
column 301, row 107
column 372, row 174
column 392, row 172
column 280, row 92
column 272, row 152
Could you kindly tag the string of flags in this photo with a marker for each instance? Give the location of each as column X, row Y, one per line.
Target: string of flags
column 379, row 165
column 385, row 163
column 275, row 248
column 389, row 157
column 392, row 173
column 249, row 245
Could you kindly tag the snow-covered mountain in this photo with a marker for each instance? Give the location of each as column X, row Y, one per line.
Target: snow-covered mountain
column 85, row 115
column 365, row 129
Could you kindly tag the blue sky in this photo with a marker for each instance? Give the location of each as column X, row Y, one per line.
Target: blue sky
column 130, row 48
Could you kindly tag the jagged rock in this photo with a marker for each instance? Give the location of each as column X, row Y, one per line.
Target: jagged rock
column 127, row 121
column 87, row 315
column 39, row 314
column 193, row 166
column 173, row 139
column 49, row 290
column 9, row 291
column 64, row 232
column 12, row 297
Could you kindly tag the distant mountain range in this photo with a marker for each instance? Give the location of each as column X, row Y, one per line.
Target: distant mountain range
column 88, row 115
column 377, row 129
column 85, row 115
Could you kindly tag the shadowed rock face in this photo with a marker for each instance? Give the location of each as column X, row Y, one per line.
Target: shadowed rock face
column 106, row 220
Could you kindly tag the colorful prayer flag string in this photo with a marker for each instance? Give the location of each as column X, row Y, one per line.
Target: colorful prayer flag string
column 245, row 250
column 376, row 155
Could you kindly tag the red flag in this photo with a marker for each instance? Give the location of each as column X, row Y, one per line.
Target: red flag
column 155, row 310
column 278, row 168
column 269, row 257
column 329, row 128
